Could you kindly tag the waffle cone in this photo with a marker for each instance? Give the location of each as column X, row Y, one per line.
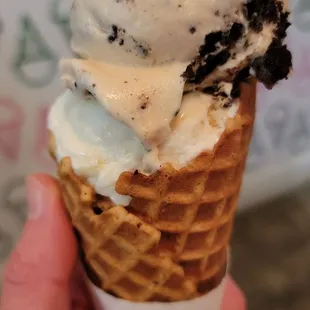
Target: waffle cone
column 171, row 242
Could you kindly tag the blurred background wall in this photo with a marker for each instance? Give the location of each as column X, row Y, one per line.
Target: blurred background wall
column 34, row 35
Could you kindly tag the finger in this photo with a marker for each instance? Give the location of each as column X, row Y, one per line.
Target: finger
column 38, row 273
column 234, row 298
column 81, row 297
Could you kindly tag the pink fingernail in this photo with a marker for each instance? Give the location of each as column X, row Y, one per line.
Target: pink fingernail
column 36, row 194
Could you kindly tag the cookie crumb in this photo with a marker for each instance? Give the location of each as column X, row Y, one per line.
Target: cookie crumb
column 192, row 30
column 114, row 34
column 87, row 93
column 144, row 101
column 143, row 49
column 274, row 66
column 97, row 210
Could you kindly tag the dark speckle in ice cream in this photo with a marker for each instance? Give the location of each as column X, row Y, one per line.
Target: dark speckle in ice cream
column 144, row 50
column 241, row 77
column 94, row 85
column 236, row 91
column 210, row 90
column 144, row 105
column 226, row 38
column 211, row 63
column 210, row 43
column 117, row 35
column 233, row 35
column 145, row 101
column 217, row 13
column 256, row 24
column 222, row 94
column 192, row 29
column 75, row 84
column 114, row 34
column 260, row 11
column 228, row 104
column 189, row 74
column 87, row 93
column 219, row 92
column 97, row 210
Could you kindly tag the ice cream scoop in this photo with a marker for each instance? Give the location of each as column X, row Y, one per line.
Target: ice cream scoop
column 218, row 37
column 139, row 32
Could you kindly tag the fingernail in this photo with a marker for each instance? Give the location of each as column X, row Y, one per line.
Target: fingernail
column 37, row 195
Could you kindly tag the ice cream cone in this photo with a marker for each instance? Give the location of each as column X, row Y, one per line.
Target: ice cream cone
column 170, row 243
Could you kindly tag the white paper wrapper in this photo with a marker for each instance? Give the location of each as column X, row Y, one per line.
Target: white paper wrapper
column 210, row 301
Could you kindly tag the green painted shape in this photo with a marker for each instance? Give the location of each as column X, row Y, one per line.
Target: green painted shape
column 33, row 48
column 301, row 15
column 61, row 19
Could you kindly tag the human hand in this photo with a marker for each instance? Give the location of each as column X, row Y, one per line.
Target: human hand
column 42, row 272
column 234, row 298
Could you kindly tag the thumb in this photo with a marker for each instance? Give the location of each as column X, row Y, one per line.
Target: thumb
column 234, row 298
column 38, row 273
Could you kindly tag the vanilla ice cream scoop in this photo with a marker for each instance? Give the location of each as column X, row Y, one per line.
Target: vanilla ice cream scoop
column 213, row 39
column 99, row 146
column 147, row 32
column 145, row 99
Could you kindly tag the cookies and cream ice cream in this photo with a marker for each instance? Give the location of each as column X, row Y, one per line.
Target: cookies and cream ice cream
column 157, row 80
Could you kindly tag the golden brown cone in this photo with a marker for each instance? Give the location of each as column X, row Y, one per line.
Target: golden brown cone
column 171, row 242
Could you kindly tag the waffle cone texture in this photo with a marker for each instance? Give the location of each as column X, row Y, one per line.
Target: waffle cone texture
column 171, row 242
